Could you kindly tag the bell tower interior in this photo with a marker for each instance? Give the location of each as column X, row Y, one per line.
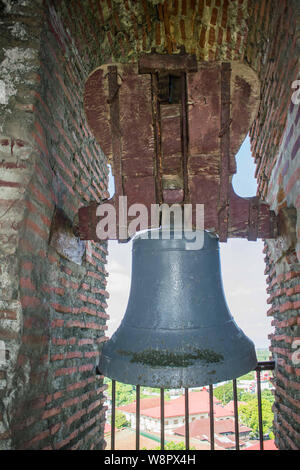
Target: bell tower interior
column 165, row 93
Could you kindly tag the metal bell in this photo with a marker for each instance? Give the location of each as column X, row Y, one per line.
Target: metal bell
column 177, row 330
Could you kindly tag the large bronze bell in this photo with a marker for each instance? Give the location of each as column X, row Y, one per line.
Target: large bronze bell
column 177, row 330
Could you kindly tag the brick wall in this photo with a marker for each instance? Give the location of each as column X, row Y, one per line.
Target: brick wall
column 53, row 287
column 274, row 43
column 211, row 29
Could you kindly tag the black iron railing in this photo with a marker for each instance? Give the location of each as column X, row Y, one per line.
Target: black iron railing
column 261, row 366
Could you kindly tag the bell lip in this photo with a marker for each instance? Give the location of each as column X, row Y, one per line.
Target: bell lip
column 208, row 241
column 160, row 230
column 250, row 363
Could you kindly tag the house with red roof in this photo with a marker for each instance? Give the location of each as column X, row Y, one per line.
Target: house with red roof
column 268, row 445
column 224, row 432
column 174, row 411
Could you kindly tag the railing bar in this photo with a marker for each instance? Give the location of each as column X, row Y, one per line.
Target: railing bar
column 260, row 423
column 187, row 429
column 211, row 417
column 113, row 414
column 162, row 419
column 264, row 365
column 137, row 418
column 236, row 417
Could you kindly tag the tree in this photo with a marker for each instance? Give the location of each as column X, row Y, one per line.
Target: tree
column 121, row 421
column 156, row 391
column 125, row 393
column 248, row 414
column 224, row 393
column 174, row 446
column 268, row 395
column 247, row 396
column 249, row 376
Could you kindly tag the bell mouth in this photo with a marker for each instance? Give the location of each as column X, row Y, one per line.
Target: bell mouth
column 164, row 360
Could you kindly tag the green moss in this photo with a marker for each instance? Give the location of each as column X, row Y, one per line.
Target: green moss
column 163, row 358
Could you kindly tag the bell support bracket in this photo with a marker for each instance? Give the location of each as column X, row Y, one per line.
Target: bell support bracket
column 171, row 127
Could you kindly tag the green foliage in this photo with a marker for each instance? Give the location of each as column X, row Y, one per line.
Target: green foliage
column 153, row 391
column 224, row 393
column 247, row 396
column 248, row 414
column 125, row 393
column 268, row 395
column 174, row 446
column 249, row 376
column 121, row 421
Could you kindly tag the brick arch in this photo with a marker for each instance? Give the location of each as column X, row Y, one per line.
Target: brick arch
column 213, row 30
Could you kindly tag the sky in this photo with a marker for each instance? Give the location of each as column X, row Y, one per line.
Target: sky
column 242, row 265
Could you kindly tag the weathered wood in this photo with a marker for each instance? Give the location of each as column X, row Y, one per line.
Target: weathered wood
column 151, row 63
column 158, row 166
column 113, row 88
column 224, row 135
column 171, row 144
column 184, row 136
column 97, row 109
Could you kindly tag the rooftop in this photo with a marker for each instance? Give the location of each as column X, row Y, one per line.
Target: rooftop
column 200, row 428
column 268, row 445
column 198, row 403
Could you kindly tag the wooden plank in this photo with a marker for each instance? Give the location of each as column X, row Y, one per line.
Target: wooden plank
column 114, row 88
column 223, row 204
column 204, row 111
column 136, row 121
column 184, row 137
column 158, row 169
column 151, row 63
column 97, row 109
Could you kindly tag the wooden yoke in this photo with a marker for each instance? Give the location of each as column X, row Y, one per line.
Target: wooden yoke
column 171, row 127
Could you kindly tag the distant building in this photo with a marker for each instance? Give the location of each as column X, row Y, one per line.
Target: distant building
column 224, row 432
column 268, row 445
column 251, row 385
column 174, row 411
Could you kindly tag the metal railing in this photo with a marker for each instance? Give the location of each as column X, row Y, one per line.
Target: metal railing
column 261, row 366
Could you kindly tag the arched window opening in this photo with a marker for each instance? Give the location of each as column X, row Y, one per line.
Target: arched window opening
column 243, row 264
column 244, row 181
column 111, row 183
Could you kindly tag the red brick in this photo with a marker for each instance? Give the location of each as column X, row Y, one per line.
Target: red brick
column 65, row 371
column 40, row 196
column 49, row 413
column 26, row 283
column 75, row 417
column 214, row 16
column 86, row 367
column 28, row 301
column 8, row 314
column 39, row 437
